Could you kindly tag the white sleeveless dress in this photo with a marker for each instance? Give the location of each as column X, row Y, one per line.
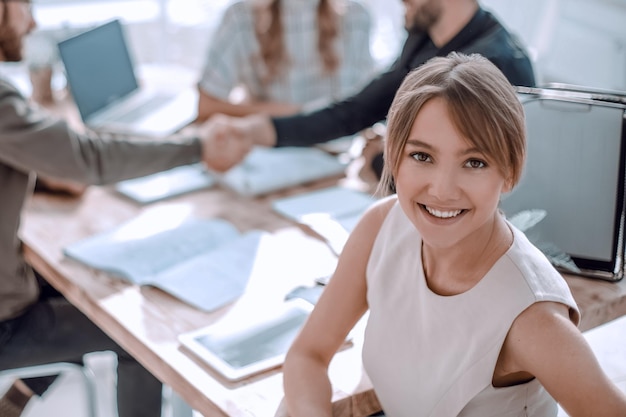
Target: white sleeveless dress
column 432, row 355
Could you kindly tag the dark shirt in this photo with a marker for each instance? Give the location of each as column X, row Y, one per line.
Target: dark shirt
column 482, row 35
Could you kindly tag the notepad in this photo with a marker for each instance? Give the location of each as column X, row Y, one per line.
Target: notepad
column 166, row 184
column 205, row 263
column 266, row 170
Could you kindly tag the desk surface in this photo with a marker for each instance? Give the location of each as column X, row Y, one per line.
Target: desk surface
column 147, row 321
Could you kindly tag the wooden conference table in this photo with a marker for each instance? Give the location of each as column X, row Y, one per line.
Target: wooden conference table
column 147, row 321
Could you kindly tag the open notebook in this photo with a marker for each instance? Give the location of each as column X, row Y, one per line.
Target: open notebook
column 206, row 263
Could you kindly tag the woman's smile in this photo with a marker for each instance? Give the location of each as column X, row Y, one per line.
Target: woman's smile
column 440, row 213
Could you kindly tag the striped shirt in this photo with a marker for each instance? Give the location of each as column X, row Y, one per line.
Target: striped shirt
column 230, row 59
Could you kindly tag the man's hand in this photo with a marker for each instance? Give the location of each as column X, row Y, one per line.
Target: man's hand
column 260, row 129
column 58, row 186
column 223, row 144
column 227, row 140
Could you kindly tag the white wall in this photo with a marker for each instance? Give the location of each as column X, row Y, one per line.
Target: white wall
column 571, row 41
column 177, row 31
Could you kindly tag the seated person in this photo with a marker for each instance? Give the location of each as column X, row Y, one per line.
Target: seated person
column 436, row 27
column 285, row 55
column 466, row 317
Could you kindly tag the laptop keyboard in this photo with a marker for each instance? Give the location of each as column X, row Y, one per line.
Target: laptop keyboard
column 143, row 109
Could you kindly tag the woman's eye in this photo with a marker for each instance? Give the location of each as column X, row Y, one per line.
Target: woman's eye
column 420, row 156
column 475, row 163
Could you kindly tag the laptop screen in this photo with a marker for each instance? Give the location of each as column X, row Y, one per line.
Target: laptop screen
column 98, row 67
column 575, row 171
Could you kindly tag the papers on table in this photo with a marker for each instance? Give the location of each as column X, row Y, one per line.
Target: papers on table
column 267, row 170
column 206, row 263
column 332, row 212
column 166, row 184
column 263, row 171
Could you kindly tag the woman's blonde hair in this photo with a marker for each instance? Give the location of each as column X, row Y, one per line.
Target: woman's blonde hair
column 482, row 104
column 269, row 32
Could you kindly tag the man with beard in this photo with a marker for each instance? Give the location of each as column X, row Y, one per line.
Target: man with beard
column 435, row 28
column 37, row 324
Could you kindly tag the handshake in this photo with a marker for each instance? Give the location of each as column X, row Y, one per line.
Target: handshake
column 227, row 140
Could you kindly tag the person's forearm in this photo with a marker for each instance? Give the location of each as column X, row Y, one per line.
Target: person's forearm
column 49, row 147
column 209, row 106
column 342, row 118
column 308, row 391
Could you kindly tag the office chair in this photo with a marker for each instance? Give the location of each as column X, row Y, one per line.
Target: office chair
column 85, row 374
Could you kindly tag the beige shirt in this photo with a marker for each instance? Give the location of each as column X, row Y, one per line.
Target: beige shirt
column 432, row 355
column 31, row 142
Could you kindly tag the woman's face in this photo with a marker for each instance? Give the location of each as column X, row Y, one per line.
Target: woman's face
column 448, row 189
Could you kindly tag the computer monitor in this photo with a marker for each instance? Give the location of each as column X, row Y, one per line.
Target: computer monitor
column 575, row 171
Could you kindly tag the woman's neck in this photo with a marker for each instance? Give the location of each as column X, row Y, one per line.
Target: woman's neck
column 456, row 269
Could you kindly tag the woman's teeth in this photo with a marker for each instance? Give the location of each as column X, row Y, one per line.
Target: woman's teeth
column 443, row 214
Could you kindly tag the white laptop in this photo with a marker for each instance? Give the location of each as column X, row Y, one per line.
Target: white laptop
column 102, row 79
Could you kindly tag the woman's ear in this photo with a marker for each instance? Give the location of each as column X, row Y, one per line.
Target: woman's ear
column 507, row 186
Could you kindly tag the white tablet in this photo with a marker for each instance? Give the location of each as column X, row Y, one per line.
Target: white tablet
column 238, row 349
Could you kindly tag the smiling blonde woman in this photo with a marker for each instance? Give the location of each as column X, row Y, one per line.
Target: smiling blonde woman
column 466, row 317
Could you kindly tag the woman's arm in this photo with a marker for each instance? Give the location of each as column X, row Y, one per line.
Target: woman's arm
column 544, row 342
column 209, row 105
column 307, row 386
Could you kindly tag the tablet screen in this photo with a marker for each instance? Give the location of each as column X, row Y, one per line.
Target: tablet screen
column 238, row 349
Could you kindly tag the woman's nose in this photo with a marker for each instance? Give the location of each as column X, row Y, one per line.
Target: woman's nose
column 444, row 185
